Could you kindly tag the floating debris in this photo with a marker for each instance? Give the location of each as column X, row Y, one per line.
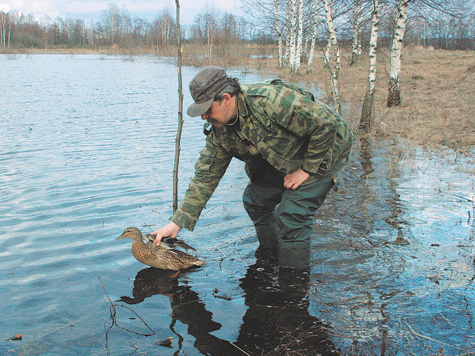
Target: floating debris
column 165, row 342
column 16, row 337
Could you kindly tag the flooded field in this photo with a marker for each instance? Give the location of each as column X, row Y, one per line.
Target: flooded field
column 86, row 150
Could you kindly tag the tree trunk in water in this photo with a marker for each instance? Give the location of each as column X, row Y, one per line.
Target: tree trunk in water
column 180, row 110
column 314, row 38
column 367, row 113
column 356, row 27
column 394, row 91
column 366, row 121
column 332, row 57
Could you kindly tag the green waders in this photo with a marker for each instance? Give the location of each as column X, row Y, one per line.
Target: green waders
column 283, row 218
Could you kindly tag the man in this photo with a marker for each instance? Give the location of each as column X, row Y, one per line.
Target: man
column 293, row 147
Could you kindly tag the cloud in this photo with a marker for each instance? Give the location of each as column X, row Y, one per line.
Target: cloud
column 91, row 9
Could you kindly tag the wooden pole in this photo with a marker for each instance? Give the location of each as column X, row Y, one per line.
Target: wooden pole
column 180, row 110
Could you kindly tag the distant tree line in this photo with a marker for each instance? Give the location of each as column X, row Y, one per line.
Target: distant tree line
column 442, row 24
column 117, row 27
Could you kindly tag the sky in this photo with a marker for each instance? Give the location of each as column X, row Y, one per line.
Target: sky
column 91, row 9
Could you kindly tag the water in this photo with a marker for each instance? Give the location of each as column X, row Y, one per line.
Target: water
column 87, row 149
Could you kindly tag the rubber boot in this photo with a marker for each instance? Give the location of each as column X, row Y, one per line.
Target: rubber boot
column 294, row 256
column 268, row 236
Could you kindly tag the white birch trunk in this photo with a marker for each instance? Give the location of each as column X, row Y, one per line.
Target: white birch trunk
column 9, row 43
column 355, row 47
column 287, row 37
column 333, row 57
column 394, row 91
column 326, row 54
column 298, row 50
column 367, row 109
column 279, row 34
column 293, row 35
column 3, row 29
column 314, row 38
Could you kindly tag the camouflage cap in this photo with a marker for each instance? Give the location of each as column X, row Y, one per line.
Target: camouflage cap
column 207, row 83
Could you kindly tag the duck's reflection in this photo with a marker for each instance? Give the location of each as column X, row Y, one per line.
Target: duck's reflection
column 151, row 281
column 277, row 320
column 187, row 307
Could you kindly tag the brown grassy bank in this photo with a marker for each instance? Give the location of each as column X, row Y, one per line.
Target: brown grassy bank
column 438, row 96
column 438, row 87
column 438, row 91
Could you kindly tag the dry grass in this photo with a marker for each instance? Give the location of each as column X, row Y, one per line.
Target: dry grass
column 438, row 96
column 438, row 99
column 437, row 89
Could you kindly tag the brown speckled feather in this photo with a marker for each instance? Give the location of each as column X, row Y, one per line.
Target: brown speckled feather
column 159, row 256
column 163, row 258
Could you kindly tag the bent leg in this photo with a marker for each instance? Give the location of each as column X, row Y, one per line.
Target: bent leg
column 260, row 199
column 295, row 218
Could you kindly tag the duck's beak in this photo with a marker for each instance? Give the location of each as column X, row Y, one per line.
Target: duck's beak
column 121, row 237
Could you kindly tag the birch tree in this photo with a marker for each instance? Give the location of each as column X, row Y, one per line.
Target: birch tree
column 287, row 33
column 298, row 51
column 5, row 30
column 394, row 93
column 314, row 37
column 356, row 45
column 333, row 56
column 210, row 30
column 367, row 109
column 279, row 34
column 293, row 34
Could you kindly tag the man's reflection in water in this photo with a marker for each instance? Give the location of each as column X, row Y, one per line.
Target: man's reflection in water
column 276, row 322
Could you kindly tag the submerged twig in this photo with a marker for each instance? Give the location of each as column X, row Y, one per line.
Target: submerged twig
column 237, row 347
column 69, row 321
column 216, row 295
column 344, row 210
column 113, row 311
column 467, row 200
column 427, row 337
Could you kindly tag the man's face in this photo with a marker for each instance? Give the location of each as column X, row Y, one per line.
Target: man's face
column 221, row 112
column 216, row 114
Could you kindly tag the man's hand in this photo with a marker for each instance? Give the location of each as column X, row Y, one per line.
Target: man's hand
column 170, row 230
column 294, row 180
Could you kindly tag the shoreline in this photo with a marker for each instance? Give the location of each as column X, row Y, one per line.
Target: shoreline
column 437, row 89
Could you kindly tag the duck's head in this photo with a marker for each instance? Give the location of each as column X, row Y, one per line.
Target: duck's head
column 133, row 233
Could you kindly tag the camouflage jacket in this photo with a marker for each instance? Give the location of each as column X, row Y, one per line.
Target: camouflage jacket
column 282, row 123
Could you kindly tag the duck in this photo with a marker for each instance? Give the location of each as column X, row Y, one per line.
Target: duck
column 162, row 257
